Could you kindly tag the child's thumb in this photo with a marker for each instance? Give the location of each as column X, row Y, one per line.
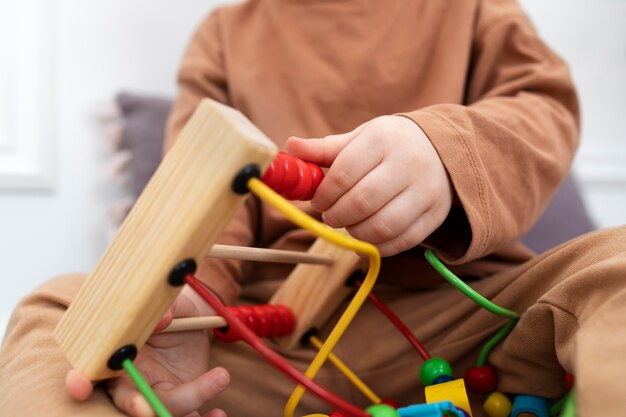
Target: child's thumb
column 322, row 151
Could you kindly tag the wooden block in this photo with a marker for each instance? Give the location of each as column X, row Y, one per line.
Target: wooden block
column 453, row 391
column 184, row 207
column 313, row 292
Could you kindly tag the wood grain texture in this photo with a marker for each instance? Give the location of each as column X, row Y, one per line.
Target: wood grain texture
column 186, row 324
column 267, row 255
column 313, row 292
column 179, row 215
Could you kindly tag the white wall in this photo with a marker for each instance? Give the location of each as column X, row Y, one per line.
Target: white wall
column 591, row 36
column 100, row 47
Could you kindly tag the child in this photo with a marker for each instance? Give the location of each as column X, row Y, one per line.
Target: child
column 461, row 123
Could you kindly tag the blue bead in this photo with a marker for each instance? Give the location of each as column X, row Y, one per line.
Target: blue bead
column 529, row 404
column 462, row 412
column 442, row 378
column 427, row 410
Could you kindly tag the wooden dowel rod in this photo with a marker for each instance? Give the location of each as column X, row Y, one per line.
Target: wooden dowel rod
column 186, row 324
column 267, row 255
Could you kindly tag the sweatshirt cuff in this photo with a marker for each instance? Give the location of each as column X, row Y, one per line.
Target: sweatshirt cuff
column 464, row 235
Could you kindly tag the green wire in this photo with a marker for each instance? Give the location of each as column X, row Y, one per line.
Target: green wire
column 493, row 341
column 570, row 407
column 481, row 301
column 558, row 406
column 467, row 290
column 144, row 389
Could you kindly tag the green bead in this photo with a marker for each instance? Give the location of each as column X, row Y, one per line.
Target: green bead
column 382, row 410
column 434, row 368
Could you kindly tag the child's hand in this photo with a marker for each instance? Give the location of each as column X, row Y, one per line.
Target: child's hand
column 385, row 185
column 175, row 364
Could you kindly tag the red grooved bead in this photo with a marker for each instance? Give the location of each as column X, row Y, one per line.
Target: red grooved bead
column 264, row 320
column 569, row 381
column 336, row 414
column 317, row 175
column 482, row 380
column 275, row 174
column 291, row 173
column 293, row 178
column 229, row 334
column 288, row 320
column 303, row 186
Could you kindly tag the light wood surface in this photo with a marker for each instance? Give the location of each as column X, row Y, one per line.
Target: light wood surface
column 178, row 216
column 268, row 255
column 186, row 324
column 313, row 292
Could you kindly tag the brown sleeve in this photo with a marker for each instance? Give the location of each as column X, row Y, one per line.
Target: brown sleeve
column 33, row 367
column 201, row 75
column 507, row 150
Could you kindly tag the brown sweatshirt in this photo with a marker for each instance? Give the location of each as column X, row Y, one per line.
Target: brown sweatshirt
column 496, row 103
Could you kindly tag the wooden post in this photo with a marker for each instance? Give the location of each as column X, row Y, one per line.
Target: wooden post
column 179, row 215
column 313, row 292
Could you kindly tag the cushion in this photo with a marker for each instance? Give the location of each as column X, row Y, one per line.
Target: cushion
column 143, row 126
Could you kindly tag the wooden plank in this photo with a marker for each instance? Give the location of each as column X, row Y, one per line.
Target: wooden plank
column 183, row 209
column 313, row 292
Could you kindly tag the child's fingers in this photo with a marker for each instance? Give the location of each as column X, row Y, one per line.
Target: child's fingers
column 359, row 158
column 376, row 189
column 321, row 151
column 186, row 398
column 78, row 386
column 127, row 398
column 412, row 237
column 165, row 321
column 216, row 412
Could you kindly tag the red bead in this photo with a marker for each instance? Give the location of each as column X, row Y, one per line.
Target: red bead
column 390, row 402
column 336, row 414
column 293, row 178
column 229, row 334
column 482, row 380
column 291, row 173
column 317, row 175
column 302, row 188
column 264, row 328
column 264, row 320
column 275, row 174
column 569, row 381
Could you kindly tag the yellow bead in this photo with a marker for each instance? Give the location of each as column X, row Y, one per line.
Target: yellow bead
column 497, row 405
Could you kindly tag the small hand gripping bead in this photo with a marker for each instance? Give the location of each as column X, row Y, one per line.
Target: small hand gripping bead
column 293, row 178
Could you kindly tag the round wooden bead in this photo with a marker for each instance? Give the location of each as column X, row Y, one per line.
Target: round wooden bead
column 432, row 369
column 481, row 380
column 382, row 410
column 497, row 405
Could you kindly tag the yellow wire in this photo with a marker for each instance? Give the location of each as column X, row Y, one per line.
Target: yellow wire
column 352, row 377
column 320, row 229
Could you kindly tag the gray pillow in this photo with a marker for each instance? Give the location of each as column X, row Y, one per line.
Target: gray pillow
column 144, row 118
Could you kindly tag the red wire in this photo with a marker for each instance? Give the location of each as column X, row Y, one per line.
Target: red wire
column 275, row 359
column 398, row 323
